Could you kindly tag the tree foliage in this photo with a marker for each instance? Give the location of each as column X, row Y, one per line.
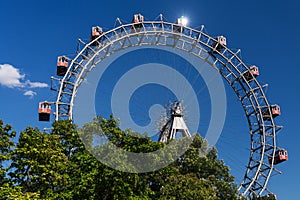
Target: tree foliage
column 59, row 165
column 6, row 145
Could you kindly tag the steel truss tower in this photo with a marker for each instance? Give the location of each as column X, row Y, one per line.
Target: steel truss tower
column 174, row 125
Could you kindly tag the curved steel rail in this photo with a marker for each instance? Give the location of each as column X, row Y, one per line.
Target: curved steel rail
column 201, row 45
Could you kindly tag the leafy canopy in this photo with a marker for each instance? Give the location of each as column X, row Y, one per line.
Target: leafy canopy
column 59, row 165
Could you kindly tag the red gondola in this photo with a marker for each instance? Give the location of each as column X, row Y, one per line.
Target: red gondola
column 275, row 111
column 96, row 32
column 44, row 111
column 137, row 19
column 62, row 66
column 281, row 155
column 220, row 43
column 252, row 72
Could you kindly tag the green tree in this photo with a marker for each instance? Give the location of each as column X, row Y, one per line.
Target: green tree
column 6, row 145
column 191, row 170
column 62, row 165
column 8, row 191
column 203, row 163
column 39, row 164
column 188, row 186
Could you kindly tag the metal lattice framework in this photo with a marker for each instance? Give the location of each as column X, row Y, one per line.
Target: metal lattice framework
column 199, row 44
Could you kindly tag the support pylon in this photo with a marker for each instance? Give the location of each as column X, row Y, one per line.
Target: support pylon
column 174, row 125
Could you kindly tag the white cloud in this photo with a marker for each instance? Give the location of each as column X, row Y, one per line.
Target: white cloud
column 36, row 84
column 10, row 76
column 30, row 93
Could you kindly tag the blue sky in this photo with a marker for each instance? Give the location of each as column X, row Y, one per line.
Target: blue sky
column 34, row 33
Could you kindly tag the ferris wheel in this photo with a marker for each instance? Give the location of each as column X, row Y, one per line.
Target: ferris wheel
column 260, row 114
